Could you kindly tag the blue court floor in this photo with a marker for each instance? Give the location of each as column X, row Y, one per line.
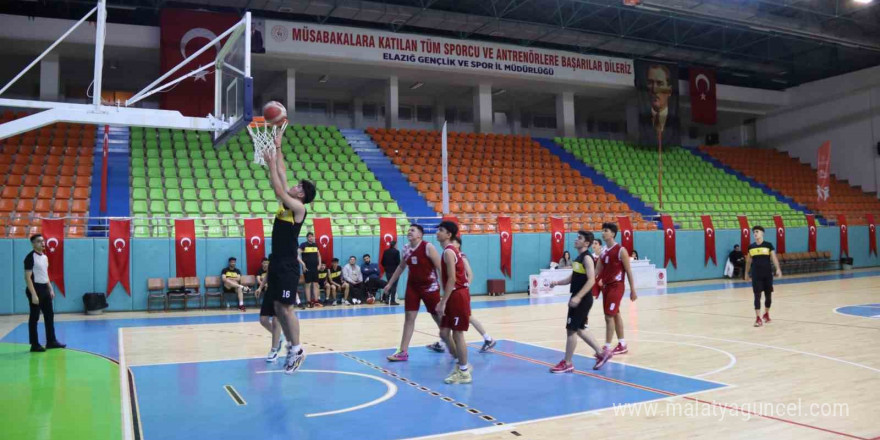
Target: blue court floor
column 361, row 395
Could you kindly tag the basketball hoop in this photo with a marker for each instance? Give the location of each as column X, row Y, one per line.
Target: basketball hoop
column 263, row 134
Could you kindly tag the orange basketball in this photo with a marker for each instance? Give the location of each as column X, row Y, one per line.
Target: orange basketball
column 274, row 113
column 370, row 300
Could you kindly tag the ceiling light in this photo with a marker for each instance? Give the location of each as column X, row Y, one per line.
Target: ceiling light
column 323, row 79
column 499, row 92
column 864, row 2
column 416, row 85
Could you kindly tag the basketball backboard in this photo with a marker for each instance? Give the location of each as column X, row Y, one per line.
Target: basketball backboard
column 233, row 100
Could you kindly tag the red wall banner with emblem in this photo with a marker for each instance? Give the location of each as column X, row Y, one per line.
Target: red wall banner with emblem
column 185, row 247
column 324, row 236
column 557, row 237
column 872, row 235
column 669, row 241
column 823, row 173
column 183, row 32
column 53, row 236
column 709, row 240
column 625, row 230
column 780, row 234
column 704, row 105
column 119, row 255
column 254, row 245
column 844, row 235
column 505, row 233
column 387, row 234
column 811, row 233
column 745, row 235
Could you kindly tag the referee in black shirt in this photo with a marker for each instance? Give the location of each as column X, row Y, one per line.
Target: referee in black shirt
column 760, row 254
column 40, row 295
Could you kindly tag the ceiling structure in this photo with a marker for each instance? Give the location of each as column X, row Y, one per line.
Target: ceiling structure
column 771, row 44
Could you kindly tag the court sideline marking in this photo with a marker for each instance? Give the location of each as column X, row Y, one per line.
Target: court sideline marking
column 127, row 426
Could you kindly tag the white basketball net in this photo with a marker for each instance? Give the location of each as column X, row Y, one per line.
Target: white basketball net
column 263, row 134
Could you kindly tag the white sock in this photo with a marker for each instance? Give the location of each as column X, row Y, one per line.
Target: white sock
column 295, row 348
column 486, row 337
column 622, row 342
column 240, row 303
column 608, row 346
column 463, row 367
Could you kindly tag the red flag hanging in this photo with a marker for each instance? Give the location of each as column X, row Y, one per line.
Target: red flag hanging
column 823, row 173
column 53, row 234
column 872, row 235
column 119, row 255
column 811, row 233
column 780, row 234
column 504, row 231
column 557, row 245
column 185, row 240
column 324, row 232
column 669, row 237
column 704, row 106
column 844, row 235
column 626, row 233
column 745, row 235
column 387, row 234
column 183, row 32
column 709, row 240
column 255, row 244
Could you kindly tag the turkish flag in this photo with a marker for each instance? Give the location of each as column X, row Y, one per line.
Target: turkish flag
column 119, row 255
column 184, row 32
column 505, row 232
column 780, row 234
column 844, row 235
column 704, row 105
column 872, row 235
column 709, row 240
column 745, row 235
column 811, row 236
column 823, row 173
column 669, row 237
column 387, row 234
column 185, row 240
column 53, row 234
column 324, row 233
column 626, row 233
column 255, row 244
column 557, row 231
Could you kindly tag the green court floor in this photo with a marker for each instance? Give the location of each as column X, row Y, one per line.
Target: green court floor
column 60, row 394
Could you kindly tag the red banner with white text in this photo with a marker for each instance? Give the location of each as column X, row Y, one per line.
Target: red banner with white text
column 823, row 173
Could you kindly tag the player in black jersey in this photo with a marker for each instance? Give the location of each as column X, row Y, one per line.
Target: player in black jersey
column 582, row 279
column 285, row 273
column 758, row 258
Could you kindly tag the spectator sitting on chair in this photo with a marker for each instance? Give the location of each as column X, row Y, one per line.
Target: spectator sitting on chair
column 352, row 275
column 262, row 276
column 335, row 281
column 565, row 261
column 329, row 292
column 635, row 255
column 390, row 261
column 372, row 282
column 232, row 282
column 738, row 260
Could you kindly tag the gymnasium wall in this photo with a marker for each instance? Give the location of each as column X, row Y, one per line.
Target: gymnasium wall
column 844, row 110
column 86, row 261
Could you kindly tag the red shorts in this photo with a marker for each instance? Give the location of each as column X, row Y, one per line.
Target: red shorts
column 596, row 290
column 458, row 311
column 612, row 294
column 415, row 295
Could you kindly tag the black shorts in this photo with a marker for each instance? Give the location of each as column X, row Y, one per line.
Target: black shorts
column 311, row 275
column 268, row 306
column 283, row 282
column 577, row 317
column 762, row 283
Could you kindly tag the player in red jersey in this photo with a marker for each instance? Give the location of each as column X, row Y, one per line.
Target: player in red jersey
column 423, row 260
column 613, row 262
column 455, row 306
